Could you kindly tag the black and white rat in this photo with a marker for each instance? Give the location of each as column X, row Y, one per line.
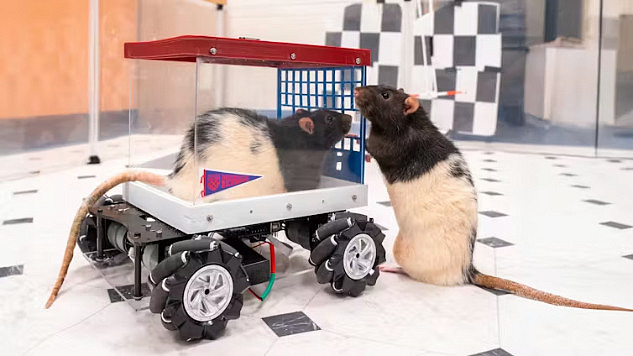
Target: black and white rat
column 433, row 196
column 302, row 152
column 287, row 153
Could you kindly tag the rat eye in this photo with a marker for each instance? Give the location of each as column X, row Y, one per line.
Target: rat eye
column 385, row 95
column 329, row 118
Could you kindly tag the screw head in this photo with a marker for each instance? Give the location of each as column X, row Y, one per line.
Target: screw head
column 293, row 56
column 354, row 197
column 357, row 60
column 209, row 218
column 289, row 206
column 213, row 50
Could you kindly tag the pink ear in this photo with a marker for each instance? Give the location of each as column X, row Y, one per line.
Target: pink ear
column 307, row 125
column 411, row 105
column 300, row 111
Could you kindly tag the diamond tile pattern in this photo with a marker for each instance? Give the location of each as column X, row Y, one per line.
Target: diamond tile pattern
column 495, row 352
column 494, row 242
column 290, row 323
column 492, row 213
column 597, row 202
column 616, row 225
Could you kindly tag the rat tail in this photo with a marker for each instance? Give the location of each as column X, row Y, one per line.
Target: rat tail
column 129, row 176
column 492, row 282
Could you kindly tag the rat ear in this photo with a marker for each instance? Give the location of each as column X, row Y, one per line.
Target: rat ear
column 401, row 90
column 307, row 125
column 411, row 105
column 300, row 111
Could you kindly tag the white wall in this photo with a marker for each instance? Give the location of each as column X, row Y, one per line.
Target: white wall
column 299, row 21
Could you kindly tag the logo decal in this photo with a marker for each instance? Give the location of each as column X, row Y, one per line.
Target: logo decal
column 217, row 181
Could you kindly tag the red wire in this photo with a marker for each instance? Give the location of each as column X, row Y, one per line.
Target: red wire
column 272, row 264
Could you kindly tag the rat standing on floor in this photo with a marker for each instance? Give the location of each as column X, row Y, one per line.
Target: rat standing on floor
column 433, row 196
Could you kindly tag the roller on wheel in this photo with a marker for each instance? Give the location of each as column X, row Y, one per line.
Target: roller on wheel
column 199, row 290
column 347, row 252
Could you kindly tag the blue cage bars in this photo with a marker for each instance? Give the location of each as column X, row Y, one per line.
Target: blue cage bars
column 331, row 89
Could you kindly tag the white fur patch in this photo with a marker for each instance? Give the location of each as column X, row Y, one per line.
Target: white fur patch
column 436, row 214
column 232, row 154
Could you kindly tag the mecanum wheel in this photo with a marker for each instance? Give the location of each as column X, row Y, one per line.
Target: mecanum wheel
column 347, row 252
column 197, row 291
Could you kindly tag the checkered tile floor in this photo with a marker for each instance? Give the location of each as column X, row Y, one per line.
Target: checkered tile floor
column 558, row 223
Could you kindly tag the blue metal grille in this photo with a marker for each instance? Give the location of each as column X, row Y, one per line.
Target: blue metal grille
column 331, row 89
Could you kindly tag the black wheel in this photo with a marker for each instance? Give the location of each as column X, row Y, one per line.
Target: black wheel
column 87, row 239
column 198, row 291
column 347, row 252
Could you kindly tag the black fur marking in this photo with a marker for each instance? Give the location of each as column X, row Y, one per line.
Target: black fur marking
column 255, row 146
column 405, row 146
column 471, row 271
column 460, row 170
column 301, row 155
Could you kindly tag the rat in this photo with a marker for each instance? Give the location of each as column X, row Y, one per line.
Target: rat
column 302, row 152
column 287, row 153
column 433, row 197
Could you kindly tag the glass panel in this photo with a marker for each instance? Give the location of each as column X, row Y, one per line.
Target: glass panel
column 616, row 80
column 525, row 72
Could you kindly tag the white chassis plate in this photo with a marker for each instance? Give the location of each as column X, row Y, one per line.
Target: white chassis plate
column 332, row 195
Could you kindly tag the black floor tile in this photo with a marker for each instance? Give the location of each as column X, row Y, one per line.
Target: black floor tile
column 128, row 292
column 489, row 160
column 491, row 180
column 489, row 169
column 614, row 160
column 560, row 165
column 580, row 186
column 550, row 157
column 383, row 228
column 491, row 193
column 597, row 202
column 494, row 242
column 492, row 213
column 18, row 221
column 86, row 176
column 627, row 169
column 11, row 270
column 25, row 192
column 630, row 257
column 290, row 324
column 495, row 352
column 34, row 172
column 568, row 174
column 489, row 153
column 616, row 225
column 494, row 291
column 385, row 203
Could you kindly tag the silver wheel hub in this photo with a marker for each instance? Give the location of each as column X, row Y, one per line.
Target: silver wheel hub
column 208, row 293
column 359, row 256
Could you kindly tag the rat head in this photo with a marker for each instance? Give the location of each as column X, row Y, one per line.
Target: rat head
column 385, row 106
column 321, row 128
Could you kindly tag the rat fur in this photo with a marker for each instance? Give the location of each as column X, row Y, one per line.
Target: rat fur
column 236, row 140
column 433, row 196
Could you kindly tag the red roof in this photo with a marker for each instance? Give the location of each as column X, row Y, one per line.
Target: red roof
column 247, row 52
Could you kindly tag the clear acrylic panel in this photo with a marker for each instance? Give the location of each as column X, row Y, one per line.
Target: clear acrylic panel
column 615, row 129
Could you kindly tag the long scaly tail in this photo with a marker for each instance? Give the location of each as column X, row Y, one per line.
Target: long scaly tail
column 129, row 176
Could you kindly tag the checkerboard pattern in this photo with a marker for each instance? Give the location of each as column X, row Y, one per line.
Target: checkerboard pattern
column 463, row 53
column 377, row 27
column 463, row 46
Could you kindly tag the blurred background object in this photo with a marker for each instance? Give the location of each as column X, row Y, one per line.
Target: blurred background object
column 566, row 76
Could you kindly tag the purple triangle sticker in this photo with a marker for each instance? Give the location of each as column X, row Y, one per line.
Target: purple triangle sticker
column 217, row 181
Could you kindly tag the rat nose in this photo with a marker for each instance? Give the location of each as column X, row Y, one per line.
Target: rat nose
column 356, row 92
